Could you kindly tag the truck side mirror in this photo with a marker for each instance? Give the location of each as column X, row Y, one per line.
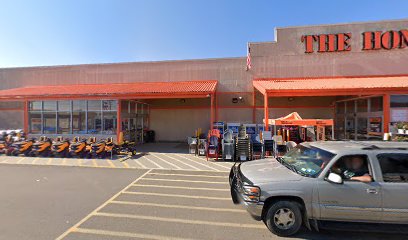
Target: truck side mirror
column 334, row 178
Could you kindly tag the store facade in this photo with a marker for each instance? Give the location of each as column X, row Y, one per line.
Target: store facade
column 353, row 73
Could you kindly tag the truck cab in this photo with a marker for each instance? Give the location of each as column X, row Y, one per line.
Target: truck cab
column 321, row 183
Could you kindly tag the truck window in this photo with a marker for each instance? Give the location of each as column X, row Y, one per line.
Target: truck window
column 394, row 167
column 352, row 166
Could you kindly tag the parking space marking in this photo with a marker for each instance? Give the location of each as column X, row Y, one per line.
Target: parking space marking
column 217, row 164
column 218, row 170
column 126, row 164
column 185, row 175
column 178, row 220
column 153, row 162
column 177, row 167
column 180, row 187
column 180, row 180
column 179, row 206
column 94, row 163
column 127, row 234
column 111, row 163
column 175, row 195
column 137, row 161
column 191, row 166
column 75, row 227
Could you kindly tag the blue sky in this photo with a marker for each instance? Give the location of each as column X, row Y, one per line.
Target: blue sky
column 60, row 32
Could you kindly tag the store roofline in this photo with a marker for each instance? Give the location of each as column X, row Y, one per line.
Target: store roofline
column 122, row 63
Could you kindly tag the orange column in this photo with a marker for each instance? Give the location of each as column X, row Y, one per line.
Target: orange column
column 253, row 107
column 387, row 112
column 266, row 111
column 119, row 120
column 216, row 107
column 26, row 118
column 212, row 111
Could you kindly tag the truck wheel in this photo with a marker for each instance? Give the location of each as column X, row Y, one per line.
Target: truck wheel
column 284, row 218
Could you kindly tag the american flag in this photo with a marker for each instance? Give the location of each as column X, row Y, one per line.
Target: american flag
column 248, row 66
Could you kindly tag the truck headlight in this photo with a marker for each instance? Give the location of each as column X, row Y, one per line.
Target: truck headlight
column 251, row 193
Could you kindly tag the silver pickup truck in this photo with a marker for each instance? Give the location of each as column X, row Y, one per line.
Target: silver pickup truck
column 320, row 184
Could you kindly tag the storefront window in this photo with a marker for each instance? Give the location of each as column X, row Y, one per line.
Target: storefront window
column 35, row 122
column 376, row 104
column 340, row 108
column 109, row 105
column 49, row 122
column 94, row 105
column 79, row 106
column 362, row 105
column 399, row 101
column 362, row 128
column 77, row 117
column 64, row 106
column 94, row 122
column 50, row 106
column 79, row 122
column 109, row 122
column 35, row 106
column 64, row 123
column 350, row 107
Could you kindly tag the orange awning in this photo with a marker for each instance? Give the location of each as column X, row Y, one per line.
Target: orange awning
column 294, row 119
column 331, row 86
column 139, row 90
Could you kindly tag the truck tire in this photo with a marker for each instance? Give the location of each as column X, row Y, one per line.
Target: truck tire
column 284, row 218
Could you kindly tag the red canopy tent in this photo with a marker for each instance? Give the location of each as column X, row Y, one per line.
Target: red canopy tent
column 294, row 119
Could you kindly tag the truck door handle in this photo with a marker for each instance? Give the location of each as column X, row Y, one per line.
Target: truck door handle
column 372, row 191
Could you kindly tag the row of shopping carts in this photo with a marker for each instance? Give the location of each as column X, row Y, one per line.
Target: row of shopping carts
column 234, row 147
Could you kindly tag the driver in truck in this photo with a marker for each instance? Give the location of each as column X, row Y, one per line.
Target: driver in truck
column 357, row 170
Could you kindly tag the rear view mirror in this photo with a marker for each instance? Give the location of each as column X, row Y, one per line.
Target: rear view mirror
column 334, row 178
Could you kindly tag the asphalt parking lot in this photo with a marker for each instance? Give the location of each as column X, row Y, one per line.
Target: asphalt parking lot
column 41, row 202
column 49, row 202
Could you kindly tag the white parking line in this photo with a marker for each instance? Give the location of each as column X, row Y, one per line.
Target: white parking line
column 154, row 163
column 21, row 159
column 180, row 187
column 193, row 167
column 177, row 220
column 215, row 163
column 179, row 206
column 177, row 167
column 126, row 234
column 139, row 163
column 218, row 170
column 185, row 175
column 75, row 227
column 175, row 195
column 181, row 180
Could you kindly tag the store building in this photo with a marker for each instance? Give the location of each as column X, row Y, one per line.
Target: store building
column 355, row 73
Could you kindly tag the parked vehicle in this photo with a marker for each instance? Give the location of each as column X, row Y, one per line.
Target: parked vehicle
column 5, row 142
column 344, row 184
column 60, row 147
column 110, row 147
column 42, row 147
column 78, row 148
column 97, row 148
column 126, row 148
column 23, row 146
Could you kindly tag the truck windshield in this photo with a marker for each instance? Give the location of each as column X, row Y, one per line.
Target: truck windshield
column 306, row 161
